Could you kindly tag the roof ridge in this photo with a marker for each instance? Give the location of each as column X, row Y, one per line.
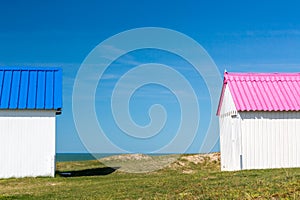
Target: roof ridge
column 255, row 80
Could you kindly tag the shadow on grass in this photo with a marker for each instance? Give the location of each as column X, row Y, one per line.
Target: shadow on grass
column 88, row 172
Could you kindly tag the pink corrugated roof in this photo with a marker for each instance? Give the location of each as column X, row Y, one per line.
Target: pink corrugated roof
column 263, row 91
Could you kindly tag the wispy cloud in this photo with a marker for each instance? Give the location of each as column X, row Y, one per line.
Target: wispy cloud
column 110, row 77
column 273, row 33
column 262, row 33
column 266, row 67
column 111, row 52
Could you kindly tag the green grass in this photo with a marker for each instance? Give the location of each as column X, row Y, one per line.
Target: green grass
column 184, row 180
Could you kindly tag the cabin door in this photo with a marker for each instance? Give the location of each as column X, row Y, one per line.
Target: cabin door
column 236, row 142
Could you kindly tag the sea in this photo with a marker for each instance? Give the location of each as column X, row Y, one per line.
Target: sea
column 65, row 157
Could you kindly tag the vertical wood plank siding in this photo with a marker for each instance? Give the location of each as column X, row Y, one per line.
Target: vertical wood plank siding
column 27, row 144
column 270, row 139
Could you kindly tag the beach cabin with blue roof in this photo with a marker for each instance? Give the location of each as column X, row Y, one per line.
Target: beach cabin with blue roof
column 30, row 99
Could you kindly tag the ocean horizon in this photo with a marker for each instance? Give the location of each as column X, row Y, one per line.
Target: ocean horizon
column 65, row 157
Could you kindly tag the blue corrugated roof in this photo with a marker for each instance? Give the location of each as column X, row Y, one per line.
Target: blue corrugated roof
column 30, row 88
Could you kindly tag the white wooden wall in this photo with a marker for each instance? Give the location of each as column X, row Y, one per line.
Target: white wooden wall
column 230, row 145
column 27, row 143
column 270, row 139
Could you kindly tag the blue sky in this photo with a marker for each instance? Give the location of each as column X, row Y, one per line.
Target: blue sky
column 260, row 36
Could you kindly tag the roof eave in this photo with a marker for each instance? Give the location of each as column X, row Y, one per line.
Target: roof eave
column 222, row 95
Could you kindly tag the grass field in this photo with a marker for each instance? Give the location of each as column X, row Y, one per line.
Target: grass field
column 181, row 180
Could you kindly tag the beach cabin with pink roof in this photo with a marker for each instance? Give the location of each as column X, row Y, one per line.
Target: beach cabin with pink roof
column 259, row 118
